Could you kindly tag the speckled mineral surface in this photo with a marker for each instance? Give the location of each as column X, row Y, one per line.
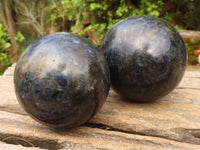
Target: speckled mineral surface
column 146, row 57
column 62, row 79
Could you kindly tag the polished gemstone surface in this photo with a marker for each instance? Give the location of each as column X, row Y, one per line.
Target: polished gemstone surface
column 62, row 79
column 146, row 57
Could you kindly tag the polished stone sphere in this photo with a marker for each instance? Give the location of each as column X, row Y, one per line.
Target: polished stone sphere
column 62, row 79
column 146, row 57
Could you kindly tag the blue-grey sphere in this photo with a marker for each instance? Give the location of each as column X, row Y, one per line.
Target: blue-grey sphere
column 146, row 57
column 62, row 80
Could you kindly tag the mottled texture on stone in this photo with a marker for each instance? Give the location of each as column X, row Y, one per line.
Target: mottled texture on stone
column 62, row 79
column 146, row 56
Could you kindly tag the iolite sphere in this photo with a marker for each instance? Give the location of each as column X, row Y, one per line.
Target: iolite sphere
column 146, row 57
column 62, row 79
